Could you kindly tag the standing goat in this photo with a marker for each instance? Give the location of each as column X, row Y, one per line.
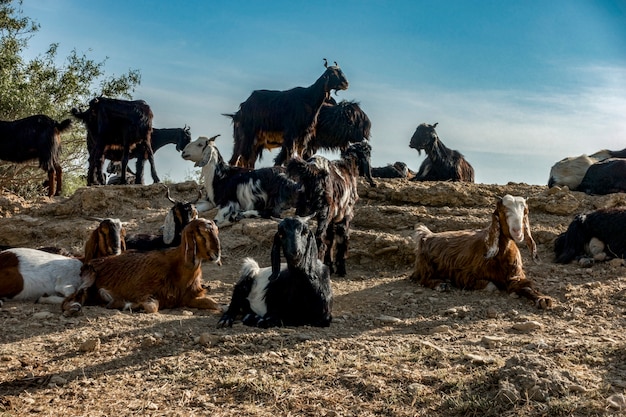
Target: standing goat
column 239, row 192
column 476, row 259
column 338, row 125
column 168, row 278
column 35, row 137
column 31, row 274
column 160, row 137
column 271, row 119
column 297, row 293
column 179, row 216
column 606, row 228
column 117, row 125
column 330, row 191
column 442, row 163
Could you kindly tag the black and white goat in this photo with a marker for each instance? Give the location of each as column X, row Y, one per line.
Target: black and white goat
column 38, row 275
column 297, row 293
column 239, row 192
column 271, row 119
column 179, row 216
column 571, row 170
column 599, row 234
column 479, row 259
column 442, row 163
column 35, row 137
column 605, row 177
column 330, row 191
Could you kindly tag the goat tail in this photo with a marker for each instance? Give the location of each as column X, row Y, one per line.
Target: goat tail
column 249, row 268
column 421, row 232
column 275, row 255
column 63, row 126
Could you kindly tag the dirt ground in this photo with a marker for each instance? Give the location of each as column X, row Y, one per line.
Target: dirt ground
column 393, row 349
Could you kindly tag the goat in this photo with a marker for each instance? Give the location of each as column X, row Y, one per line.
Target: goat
column 154, row 280
column 239, row 192
column 32, row 274
column 605, row 177
column 330, row 191
column 35, row 137
column 442, row 163
column 477, row 259
column 160, row 137
column 396, row 170
column 601, row 232
column 297, row 293
column 570, row 171
column 270, row 119
column 338, row 125
column 114, row 124
column 177, row 218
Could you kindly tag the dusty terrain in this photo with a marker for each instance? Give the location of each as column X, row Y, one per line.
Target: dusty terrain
column 393, row 349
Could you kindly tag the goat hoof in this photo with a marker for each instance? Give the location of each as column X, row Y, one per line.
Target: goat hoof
column 443, row 287
column 544, row 303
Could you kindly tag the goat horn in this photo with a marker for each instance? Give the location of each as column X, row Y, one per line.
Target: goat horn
column 212, row 138
column 168, row 194
column 98, row 219
column 309, row 217
column 325, row 63
column 336, row 64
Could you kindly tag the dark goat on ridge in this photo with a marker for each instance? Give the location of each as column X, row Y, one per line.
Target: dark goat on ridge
column 338, row 125
column 330, row 191
column 396, row 170
column 442, row 163
column 480, row 259
column 239, row 192
column 605, row 177
column 271, row 119
column 115, row 125
column 179, row 216
column 35, row 137
column 297, row 293
column 603, row 228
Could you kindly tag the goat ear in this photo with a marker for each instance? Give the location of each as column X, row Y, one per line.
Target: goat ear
column 91, row 246
column 169, row 228
column 530, row 242
column 189, row 240
column 275, row 257
column 491, row 241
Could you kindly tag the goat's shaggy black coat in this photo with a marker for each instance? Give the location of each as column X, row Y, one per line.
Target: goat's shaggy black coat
column 35, row 137
column 607, row 225
column 297, row 293
column 120, row 125
column 397, row 170
column 330, row 191
column 605, row 177
column 442, row 163
column 270, row 119
column 159, row 138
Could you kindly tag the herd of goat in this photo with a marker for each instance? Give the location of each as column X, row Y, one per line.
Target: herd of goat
column 150, row 272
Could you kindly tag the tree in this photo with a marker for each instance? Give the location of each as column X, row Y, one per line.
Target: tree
column 41, row 85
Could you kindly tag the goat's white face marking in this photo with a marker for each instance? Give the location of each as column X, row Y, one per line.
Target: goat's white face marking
column 516, row 207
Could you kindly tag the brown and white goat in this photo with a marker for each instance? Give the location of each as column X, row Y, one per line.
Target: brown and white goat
column 166, row 278
column 37, row 275
column 474, row 259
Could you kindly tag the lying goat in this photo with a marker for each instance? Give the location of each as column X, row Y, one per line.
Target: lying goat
column 176, row 219
column 297, row 293
column 476, row 259
column 38, row 275
column 169, row 278
column 239, row 192
column 599, row 234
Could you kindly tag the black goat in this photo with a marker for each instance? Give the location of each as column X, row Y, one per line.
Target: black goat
column 605, row 177
column 35, row 137
column 120, row 126
column 330, row 191
column 338, row 125
column 179, row 216
column 442, row 163
column 270, row 119
column 297, row 293
column 239, row 192
column 396, row 170
column 608, row 226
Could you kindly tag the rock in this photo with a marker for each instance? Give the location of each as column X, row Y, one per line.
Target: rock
column 44, row 315
column 478, row 359
column 388, row 319
column 527, row 326
column 444, row 328
column 491, row 341
column 617, row 401
column 207, row 339
column 90, row 345
column 57, row 381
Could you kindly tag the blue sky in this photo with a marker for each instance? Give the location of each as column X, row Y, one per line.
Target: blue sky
column 514, row 85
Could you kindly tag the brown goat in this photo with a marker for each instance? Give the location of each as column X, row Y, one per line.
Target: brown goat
column 167, row 278
column 474, row 259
